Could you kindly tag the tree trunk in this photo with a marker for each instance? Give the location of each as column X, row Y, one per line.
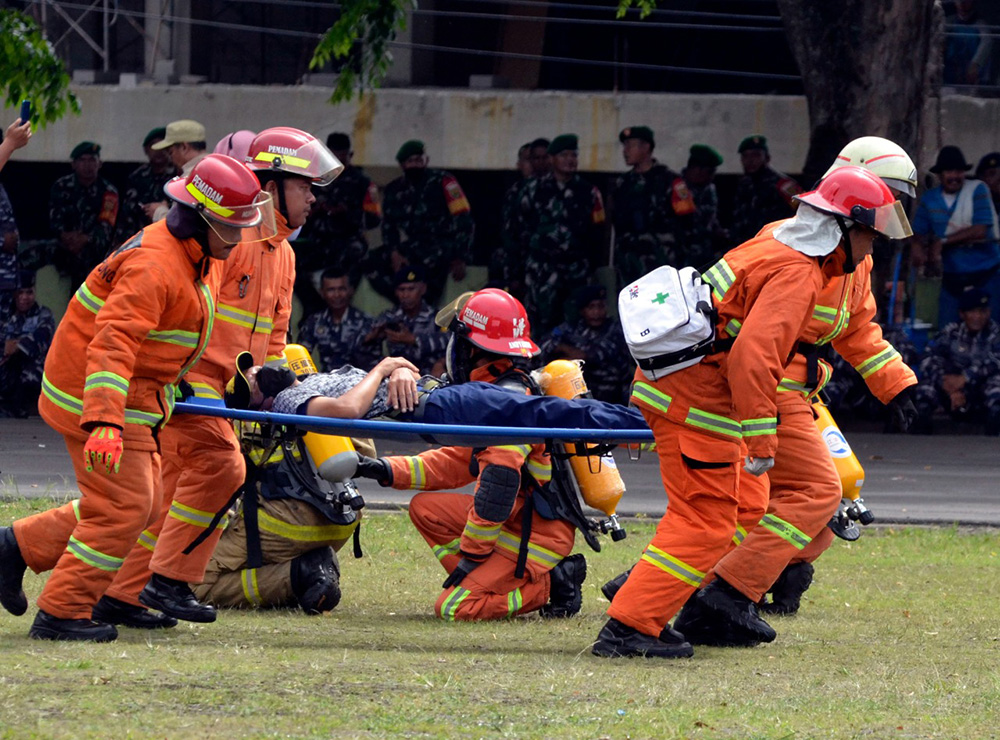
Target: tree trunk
column 868, row 69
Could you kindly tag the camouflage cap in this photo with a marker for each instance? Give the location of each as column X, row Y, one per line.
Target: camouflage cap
column 754, row 141
column 564, row 142
column 84, row 148
column 702, row 155
column 642, row 133
column 409, row 149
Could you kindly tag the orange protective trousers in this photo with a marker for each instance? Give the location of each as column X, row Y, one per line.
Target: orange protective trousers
column 701, row 475
column 490, row 591
column 84, row 542
column 805, row 493
column 202, row 469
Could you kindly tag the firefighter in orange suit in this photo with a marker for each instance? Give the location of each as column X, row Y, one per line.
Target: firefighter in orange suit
column 765, row 292
column 141, row 319
column 502, row 556
column 202, row 462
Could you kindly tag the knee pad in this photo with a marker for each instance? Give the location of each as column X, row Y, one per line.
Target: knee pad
column 498, row 486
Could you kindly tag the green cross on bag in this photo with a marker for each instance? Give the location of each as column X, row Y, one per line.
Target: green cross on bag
column 661, row 298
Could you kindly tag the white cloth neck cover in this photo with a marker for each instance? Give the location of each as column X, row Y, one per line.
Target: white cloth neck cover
column 811, row 232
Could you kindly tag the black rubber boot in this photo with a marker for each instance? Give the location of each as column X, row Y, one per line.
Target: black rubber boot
column 316, row 580
column 175, row 599
column 701, row 626
column 613, row 586
column 565, row 596
column 114, row 611
column 617, row 640
column 47, row 627
column 12, row 569
column 732, row 610
column 786, row 593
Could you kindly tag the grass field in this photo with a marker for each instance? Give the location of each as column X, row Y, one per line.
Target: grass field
column 899, row 638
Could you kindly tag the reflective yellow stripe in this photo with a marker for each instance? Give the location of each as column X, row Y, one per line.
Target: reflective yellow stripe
column 304, row 533
column 251, row 591
column 845, row 314
column 208, row 202
column 76, row 508
column 179, row 337
column 192, row 516
column 74, row 405
column 713, row 422
column 647, row 394
column 524, row 450
column 204, row 390
column 721, row 277
column 92, row 557
column 785, row 531
column 288, row 159
column 826, row 314
column 210, row 312
column 739, row 536
column 733, row 327
column 876, row 363
column 787, row 385
column 537, row 553
column 540, row 471
column 450, row 605
column 760, row 427
column 448, row 548
column 674, row 566
column 418, row 477
column 148, row 540
column 105, row 379
column 514, row 602
column 234, row 315
column 87, row 299
column 483, row 534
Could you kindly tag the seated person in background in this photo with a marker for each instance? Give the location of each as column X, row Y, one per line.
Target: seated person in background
column 409, row 329
column 962, row 370
column 336, row 336
column 598, row 341
column 26, row 334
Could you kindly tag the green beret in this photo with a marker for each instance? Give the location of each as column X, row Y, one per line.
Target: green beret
column 157, row 134
column 85, row 147
column 409, row 149
column 702, row 155
column 756, row 141
column 564, row 142
column 642, row 133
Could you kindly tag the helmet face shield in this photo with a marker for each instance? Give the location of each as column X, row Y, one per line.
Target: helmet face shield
column 296, row 153
column 252, row 223
column 889, row 220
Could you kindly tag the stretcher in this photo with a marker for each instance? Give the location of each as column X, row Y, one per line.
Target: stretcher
column 442, row 434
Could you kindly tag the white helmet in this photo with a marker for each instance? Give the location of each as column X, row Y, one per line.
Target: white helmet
column 884, row 158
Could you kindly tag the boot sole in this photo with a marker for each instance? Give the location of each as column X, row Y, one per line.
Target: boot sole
column 45, row 633
column 154, row 603
column 603, row 650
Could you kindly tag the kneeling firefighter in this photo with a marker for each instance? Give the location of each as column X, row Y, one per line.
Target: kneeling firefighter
column 295, row 511
column 507, row 547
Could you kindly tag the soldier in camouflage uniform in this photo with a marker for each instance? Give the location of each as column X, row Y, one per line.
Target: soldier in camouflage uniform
column 561, row 228
column 334, row 235
column 507, row 263
column 598, row 341
column 336, row 335
column 8, row 254
column 26, row 337
column 962, row 370
column 427, row 222
column 640, row 208
column 145, row 187
column 846, row 393
column 408, row 329
column 83, row 208
column 763, row 194
column 695, row 202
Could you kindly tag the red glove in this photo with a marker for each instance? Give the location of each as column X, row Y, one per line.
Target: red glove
column 104, row 448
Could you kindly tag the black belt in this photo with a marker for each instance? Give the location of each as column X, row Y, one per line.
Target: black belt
column 813, row 353
column 683, row 355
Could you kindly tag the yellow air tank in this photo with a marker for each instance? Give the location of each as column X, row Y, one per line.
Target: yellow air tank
column 333, row 456
column 601, row 485
column 852, row 475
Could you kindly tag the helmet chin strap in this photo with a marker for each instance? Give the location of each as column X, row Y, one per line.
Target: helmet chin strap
column 848, row 252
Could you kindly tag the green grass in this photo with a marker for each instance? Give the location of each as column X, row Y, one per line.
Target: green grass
column 898, row 638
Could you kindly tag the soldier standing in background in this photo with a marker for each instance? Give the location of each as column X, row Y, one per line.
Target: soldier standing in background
column 640, row 208
column 507, row 262
column 696, row 205
column 335, row 231
column 560, row 222
column 26, row 335
column 541, row 162
column 145, row 187
column 427, row 222
column 83, row 208
column 763, row 194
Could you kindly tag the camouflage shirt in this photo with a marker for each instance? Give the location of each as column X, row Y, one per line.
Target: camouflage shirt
column 33, row 330
column 431, row 341
column 507, row 262
column 8, row 260
column 607, row 367
column 91, row 210
column 338, row 343
column 761, row 198
column 144, row 186
column 428, row 220
column 697, row 223
column 957, row 351
column 343, row 211
column 643, row 218
column 560, row 224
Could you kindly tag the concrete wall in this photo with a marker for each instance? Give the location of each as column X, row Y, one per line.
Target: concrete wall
column 475, row 129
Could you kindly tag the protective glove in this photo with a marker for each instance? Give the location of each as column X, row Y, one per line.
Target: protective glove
column 904, row 411
column 758, row 465
column 378, row 470
column 104, row 447
column 464, row 567
column 183, row 391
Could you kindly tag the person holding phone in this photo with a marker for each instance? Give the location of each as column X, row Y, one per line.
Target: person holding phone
column 17, row 135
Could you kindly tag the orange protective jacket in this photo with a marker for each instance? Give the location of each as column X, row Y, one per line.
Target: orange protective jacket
column 140, row 320
column 253, row 311
column 452, row 467
column 764, row 292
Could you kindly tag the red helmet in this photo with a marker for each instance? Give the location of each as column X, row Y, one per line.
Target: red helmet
column 223, row 190
column 860, row 195
column 494, row 321
column 294, row 152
